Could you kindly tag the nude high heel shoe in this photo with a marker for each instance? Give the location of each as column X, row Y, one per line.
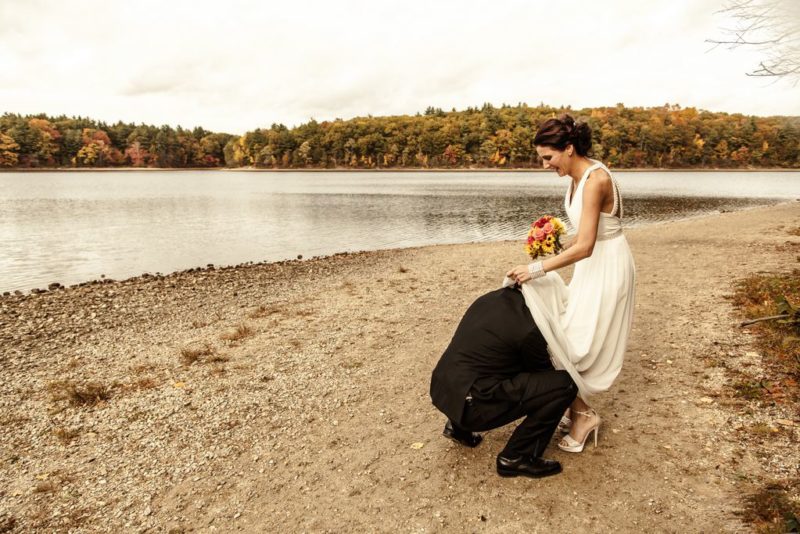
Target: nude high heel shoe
column 569, row 444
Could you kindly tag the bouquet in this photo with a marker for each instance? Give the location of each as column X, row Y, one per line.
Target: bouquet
column 544, row 237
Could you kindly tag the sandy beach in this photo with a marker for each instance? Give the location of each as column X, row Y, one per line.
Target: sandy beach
column 293, row 397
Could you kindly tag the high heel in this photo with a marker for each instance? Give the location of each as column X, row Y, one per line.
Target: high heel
column 570, row 444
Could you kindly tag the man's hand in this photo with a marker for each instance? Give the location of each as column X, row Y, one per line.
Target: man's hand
column 519, row 273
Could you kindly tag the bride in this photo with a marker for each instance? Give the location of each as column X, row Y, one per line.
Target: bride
column 586, row 324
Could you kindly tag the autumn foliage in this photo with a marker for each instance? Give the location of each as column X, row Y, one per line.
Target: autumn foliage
column 488, row 137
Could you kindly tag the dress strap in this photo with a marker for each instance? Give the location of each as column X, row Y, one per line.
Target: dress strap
column 616, row 210
column 595, row 165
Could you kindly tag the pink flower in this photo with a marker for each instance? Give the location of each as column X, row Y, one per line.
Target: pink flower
column 538, row 234
column 548, row 228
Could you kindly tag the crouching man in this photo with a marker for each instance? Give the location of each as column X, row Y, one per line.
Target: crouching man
column 497, row 370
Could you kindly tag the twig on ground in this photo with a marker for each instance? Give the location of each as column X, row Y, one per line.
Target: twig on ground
column 770, row 318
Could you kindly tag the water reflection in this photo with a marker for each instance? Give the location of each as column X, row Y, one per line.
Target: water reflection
column 74, row 227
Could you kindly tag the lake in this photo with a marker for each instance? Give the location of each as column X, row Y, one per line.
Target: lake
column 70, row 227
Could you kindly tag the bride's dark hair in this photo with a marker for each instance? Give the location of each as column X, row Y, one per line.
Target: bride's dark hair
column 563, row 131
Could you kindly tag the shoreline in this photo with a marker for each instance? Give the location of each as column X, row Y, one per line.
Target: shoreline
column 293, row 396
column 57, row 286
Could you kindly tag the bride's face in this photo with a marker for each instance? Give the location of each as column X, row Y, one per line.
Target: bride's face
column 558, row 160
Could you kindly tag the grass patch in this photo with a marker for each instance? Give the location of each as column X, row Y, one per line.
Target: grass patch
column 771, row 509
column 79, row 394
column 778, row 343
column 196, row 352
column 749, row 390
column 145, row 383
column 238, row 333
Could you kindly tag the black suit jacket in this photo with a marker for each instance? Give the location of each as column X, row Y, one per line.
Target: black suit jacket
column 495, row 341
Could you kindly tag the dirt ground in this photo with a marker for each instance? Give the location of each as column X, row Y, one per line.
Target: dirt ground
column 293, row 397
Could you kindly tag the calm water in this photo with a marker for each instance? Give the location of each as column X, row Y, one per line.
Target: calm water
column 73, row 227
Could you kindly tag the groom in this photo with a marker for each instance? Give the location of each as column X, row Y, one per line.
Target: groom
column 497, row 370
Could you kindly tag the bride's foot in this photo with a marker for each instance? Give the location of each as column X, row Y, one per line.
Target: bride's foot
column 583, row 425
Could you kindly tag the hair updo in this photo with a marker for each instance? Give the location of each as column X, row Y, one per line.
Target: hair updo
column 563, row 131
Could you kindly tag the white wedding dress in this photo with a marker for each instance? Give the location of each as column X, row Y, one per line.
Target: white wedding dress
column 586, row 324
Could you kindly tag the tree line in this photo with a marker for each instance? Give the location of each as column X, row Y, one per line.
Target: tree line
column 668, row 136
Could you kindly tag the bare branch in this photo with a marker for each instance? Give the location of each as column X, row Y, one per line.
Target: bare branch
column 769, row 26
column 771, row 318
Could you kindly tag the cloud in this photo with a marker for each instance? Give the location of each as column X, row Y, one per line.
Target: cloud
column 247, row 64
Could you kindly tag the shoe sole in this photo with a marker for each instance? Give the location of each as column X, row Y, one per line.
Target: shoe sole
column 514, row 473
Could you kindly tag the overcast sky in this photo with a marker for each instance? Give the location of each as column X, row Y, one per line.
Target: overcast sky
column 238, row 65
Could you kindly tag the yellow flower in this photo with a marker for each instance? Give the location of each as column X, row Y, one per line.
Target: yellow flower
column 548, row 249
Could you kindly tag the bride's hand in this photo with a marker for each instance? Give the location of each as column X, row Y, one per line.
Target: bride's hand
column 519, row 273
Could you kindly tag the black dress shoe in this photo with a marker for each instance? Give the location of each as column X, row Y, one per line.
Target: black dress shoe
column 527, row 466
column 464, row 437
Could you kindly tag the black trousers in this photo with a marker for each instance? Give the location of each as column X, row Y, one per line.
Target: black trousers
column 540, row 397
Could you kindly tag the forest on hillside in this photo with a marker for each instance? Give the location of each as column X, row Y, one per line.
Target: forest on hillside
column 487, row 137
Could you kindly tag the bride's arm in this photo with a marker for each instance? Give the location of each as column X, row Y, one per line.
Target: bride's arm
column 595, row 190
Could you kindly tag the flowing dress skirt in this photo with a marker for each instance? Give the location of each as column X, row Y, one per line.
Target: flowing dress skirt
column 587, row 323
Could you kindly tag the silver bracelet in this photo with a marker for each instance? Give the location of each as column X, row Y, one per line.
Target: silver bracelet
column 536, row 270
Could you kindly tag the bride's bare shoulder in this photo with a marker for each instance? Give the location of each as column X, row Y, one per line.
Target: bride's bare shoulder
column 600, row 175
column 599, row 181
